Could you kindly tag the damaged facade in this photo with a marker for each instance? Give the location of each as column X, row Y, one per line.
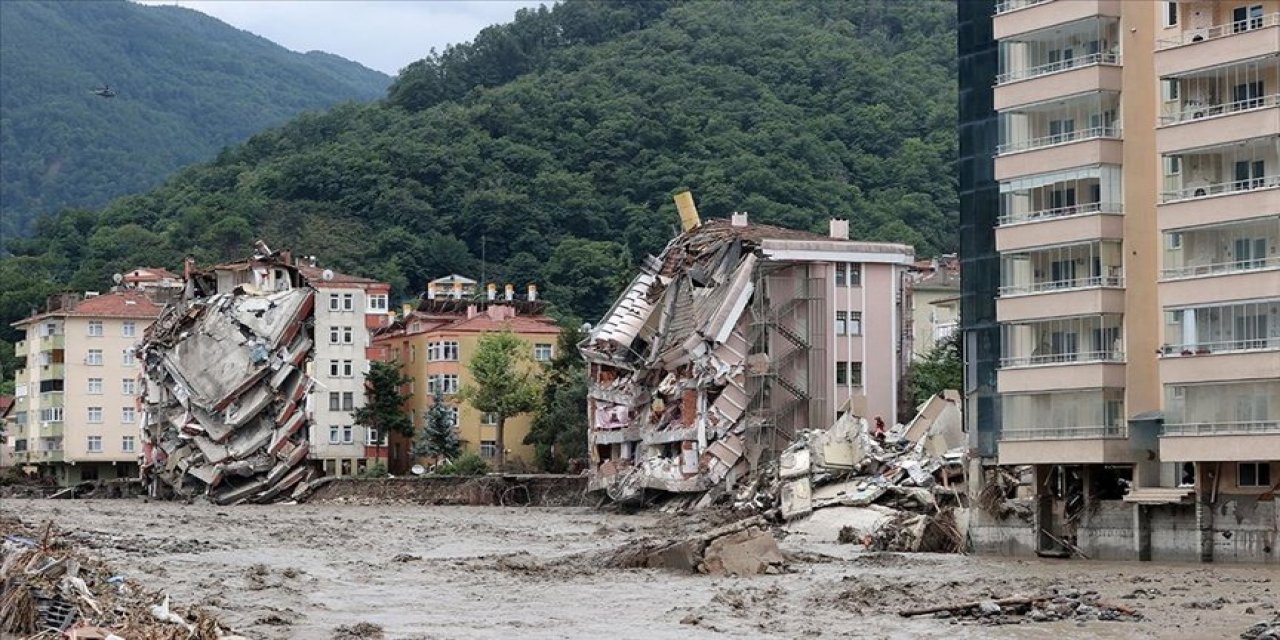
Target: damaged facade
column 226, row 383
column 733, row 340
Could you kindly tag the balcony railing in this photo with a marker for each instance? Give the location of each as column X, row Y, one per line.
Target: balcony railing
column 1204, row 191
column 1215, row 32
column 1062, row 285
column 1065, row 433
column 1061, row 138
column 1220, row 346
column 1055, row 67
column 56, row 341
column 19, row 347
column 1005, row 6
column 1079, row 357
column 1220, row 268
column 1192, row 111
column 1223, row 428
column 1088, row 208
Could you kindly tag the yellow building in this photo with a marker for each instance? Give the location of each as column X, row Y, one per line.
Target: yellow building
column 433, row 346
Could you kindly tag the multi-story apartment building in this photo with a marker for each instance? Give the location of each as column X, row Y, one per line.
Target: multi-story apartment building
column 935, row 302
column 76, row 415
column 433, row 345
column 1120, row 186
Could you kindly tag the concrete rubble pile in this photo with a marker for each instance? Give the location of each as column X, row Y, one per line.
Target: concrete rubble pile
column 668, row 370
column 741, row 548
column 53, row 590
column 1265, row 630
column 226, row 384
column 902, row 490
column 1062, row 604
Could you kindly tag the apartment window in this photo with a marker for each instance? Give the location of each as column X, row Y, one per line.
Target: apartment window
column 1246, row 95
column 446, row 351
column 488, row 449
column 335, row 434
column 542, row 352
column 95, row 444
column 51, row 414
column 95, row 386
column 842, row 373
column 855, row 374
column 348, row 400
column 1170, row 90
column 1253, row 474
column 128, row 415
column 488, row 419
column 334, row 304
column 334, row 368
column 95, row 328
column 348, row 434
column 50, row 329
column 842, row 274
column 1249, row 174
column 129, row 387
column 842, row 323
column 855, row 274
column 1170, row 14
column 371, row 437
column 347, row 369
column 335, row 333
column 453, row 416
column 1246, row 17
column 94, row 359
column 46, row 358
column 348, row 302
column 129, row 329
column 127, row 444
column 855, row 323
column 128, row 358
column 347, row 335
column 1250, row 253
column 377, row 302
column 95, row 415
column 445, row 383
column 334, row 400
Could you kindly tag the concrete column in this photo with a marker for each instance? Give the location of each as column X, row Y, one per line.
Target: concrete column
column 1206, row 480
column 1142, row 531
column 1044, row 508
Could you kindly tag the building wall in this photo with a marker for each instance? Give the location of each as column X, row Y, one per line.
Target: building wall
column 323, row 419
column 927, row 316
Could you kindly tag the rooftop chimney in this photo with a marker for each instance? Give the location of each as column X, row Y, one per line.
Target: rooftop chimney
column 839, row 229
column 533, row 292
column 739, row 219
column 492, row 290
column 689, row 219
column 509, row 291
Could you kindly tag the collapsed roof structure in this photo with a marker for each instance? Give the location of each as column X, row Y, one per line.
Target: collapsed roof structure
column 226, row 383
column 721, row 350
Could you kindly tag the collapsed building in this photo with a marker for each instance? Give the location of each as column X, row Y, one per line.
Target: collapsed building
column 226, row 383
column 733, row 340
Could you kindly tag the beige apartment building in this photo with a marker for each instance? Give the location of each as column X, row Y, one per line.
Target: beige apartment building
column 1138, row 170
column 76, row 416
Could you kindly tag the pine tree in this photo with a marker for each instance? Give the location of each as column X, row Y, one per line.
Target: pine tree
column 439, row 437
column 383, row 409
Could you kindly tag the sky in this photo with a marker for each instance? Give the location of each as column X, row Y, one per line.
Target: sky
column 380, row 34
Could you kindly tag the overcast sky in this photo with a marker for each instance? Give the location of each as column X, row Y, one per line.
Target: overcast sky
column 382, row 35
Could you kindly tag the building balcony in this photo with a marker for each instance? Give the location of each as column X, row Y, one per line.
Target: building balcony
column 57, row 341
column 1203, row 125
column 1184, row 446
column 1230, row 41
column 46, row 456
column 1064, row 427
column 1227, row 364
column 1093, row 146
column 1224, row 183
column 51, row 399
column 1097, row 72
column 1222, row 422
column 1016, row 17
column 1224, row 285
column 1090, row 371
column 1089, row 221
column 1104, row 295
column 52, row 429
column 52, row 371
column 1225, row 249
column 20, row 347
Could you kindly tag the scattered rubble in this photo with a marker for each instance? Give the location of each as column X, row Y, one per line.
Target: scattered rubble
column 1265, row 630
column 226, row 382
column 52, row 589
column 741, row 548
column 1065, row 604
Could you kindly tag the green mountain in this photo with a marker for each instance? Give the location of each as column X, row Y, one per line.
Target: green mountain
column 548, row 150
column 186, row 85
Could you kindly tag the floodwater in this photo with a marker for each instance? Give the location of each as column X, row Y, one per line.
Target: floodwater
column 301, row 571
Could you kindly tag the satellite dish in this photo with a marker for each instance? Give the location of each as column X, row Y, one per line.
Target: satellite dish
column 117, row 278
column 326, row 275
column 418, row 470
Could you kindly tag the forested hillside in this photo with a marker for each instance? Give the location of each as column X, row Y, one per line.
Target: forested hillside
column 551, row 147
column 186, row 85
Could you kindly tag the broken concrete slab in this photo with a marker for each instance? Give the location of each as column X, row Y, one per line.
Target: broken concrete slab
column 796, row 499
column 745, row 553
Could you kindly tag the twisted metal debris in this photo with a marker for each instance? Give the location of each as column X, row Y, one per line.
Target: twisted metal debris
column 226, row 384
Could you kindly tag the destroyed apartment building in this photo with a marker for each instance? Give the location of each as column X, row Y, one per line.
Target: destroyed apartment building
column 734, row 340
column 226, row 383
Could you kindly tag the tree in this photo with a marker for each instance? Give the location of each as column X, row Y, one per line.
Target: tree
column 941, row 368
column 383, row 408
column 559, row 432
column 504, row 381
column 438, row 436
column 584, row 276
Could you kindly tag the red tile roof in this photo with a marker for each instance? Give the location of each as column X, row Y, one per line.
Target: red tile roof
column 150, row 274
column 123, row 304
column 6, row 403
column 316, row 276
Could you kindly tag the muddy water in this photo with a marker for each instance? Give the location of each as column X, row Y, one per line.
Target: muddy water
column 300, row 571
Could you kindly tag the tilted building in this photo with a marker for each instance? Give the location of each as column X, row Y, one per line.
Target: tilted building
column 734, row 339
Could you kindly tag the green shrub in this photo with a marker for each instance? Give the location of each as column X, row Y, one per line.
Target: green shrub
column 467, row 464
column 375, row 470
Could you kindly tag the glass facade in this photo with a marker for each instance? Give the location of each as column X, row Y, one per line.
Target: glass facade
column 1225, row 248
column 1091, row 413
column 1082, row 191
column 1237, row 407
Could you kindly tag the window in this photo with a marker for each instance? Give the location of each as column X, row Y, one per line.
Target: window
column 348, row 302
column 542, row 352
column 347, row 369
column 340, row 369
column 842, row 323
column 446, row 351
column 446, row 383
column 1250, row 253
column 95, row 328
column 855, row 274
column 1247, row 95
column 129, row 329
column 842, row 273
column 855, row 374
column 95, row 386
column 855, row 323
column 334, row 334
column 127, row 444
column 1245, row 18
column 842, row 373
column 348, row 401
column 348, row 434
column 489, row 418
column 129, row 358
column 1173, row 165
column 51, row 414
column 377, row 302
column 334, row 400
column 334, row 368
column 94, row 359
column 1170, row 14
column 95, row 444
column 334, row 434
column 453, row 416
column 333, row 302
column 128, row 415
column 1253, row 474
column 1249, row 174
column 371, row 436
column 50, row 329
column 129, row 387
column 488, row 449
column 95, row 414
column 347, row 335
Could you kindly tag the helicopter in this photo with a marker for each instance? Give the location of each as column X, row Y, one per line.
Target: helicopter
column 105, row 92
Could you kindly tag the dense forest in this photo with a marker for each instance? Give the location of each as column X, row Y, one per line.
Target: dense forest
column 547, row 150
column 186, row 86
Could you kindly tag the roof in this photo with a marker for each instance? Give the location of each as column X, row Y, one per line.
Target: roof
column 117, row 304
column 316, row 276
column 452, row 278
column 150, row 274
column 459, row 323
column 6, row 403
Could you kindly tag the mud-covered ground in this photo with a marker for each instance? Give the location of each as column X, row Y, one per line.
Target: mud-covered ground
column 303, row 571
